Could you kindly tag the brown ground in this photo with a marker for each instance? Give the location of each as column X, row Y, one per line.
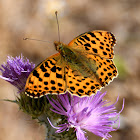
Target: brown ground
column 36, row 19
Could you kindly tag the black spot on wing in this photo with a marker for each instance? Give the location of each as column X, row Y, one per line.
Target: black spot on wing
column 108, row 49
column 86, row 37
column 46, row 83
column 101, row 43
column 98, row 39
column 87, row 44
column 40, row 79
column 53, row 69
column 46, row 88
column 72, row 88
column 101, row 47
column 113, row 39
column 87, row 48
column 93, row 41
column 94, row 50
column 35, row 73
column 75, row 43
column 81, row 91
column 105, row 63
column 46, row 74
column 78, row 93
column 109, row 74
column 43, row 68
column 59, row 84
column 84, row 87
column 92, row 87
column 106, row 78
column 53, row 88
column 52, row 82
column 60, row 89
column 58, row 68
column 114, row 71
column 102, row 73
column 87, row 83
column 100, row 33
column 79, row 41
column 92, row 34
column 104, row 53
column 51, row 62
column 107, row 45
column 58, row 75
column 46, row 64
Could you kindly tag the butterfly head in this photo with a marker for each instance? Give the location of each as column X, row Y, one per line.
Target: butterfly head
column 59, row 46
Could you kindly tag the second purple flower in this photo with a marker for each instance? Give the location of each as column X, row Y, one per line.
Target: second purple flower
column 86, row 114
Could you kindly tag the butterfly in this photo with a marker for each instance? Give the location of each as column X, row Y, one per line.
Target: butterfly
column 82, row 67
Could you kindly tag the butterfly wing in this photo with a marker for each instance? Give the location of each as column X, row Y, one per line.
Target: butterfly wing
column 98, row 46
column 83, row 86
column 96, row 42
column 46, row 78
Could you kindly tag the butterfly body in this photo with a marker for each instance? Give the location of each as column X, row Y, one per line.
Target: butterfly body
column 76, row 60
column 67, row 54
column 82, row 67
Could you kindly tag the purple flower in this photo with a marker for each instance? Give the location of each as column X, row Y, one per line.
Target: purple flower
column 87, row 113
column 16, row 71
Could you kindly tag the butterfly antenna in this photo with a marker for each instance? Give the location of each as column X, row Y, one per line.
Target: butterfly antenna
column 36, row 40
column 57, row 25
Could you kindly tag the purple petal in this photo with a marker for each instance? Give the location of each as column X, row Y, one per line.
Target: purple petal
column 16, row 71
column 88, row 113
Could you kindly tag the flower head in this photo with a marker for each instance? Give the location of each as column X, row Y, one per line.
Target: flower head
column 87, row 113
column 16, row 71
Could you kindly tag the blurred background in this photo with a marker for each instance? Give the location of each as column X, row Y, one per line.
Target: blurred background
column 36, row 19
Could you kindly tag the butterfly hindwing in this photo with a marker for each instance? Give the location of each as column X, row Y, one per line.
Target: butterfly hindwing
column 46, row 78
column 83, row 86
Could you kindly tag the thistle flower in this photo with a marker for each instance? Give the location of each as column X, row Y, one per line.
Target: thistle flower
column 16, row 71
column 87, row 113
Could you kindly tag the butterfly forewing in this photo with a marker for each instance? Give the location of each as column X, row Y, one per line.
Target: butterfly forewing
column 46, row 78
column 96, row 42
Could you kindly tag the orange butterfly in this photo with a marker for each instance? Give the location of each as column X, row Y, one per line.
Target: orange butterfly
column 82, row 67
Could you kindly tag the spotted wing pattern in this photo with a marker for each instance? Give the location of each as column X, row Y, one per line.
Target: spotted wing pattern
column 96, row 42
column 83, row 86
column 52, row 77
column 99, row 47
column 46, row 78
